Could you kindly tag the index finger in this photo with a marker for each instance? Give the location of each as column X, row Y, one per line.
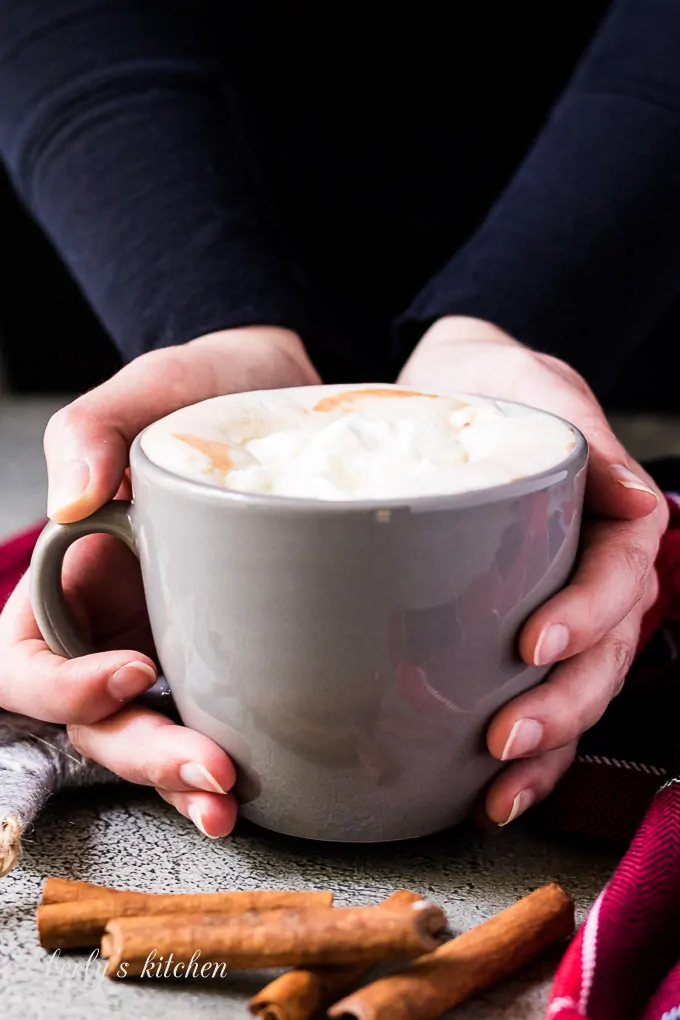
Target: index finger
column 39, row 684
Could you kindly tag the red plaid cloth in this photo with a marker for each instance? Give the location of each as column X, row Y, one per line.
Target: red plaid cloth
column 15, row 556
column 624, row 963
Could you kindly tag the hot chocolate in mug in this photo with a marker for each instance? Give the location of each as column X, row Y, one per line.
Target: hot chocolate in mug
column 336, row 578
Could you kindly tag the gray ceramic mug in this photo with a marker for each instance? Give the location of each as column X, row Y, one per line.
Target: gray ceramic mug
column 348, row 656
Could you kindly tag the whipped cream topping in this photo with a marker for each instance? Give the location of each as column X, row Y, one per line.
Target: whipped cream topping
column 356, row 442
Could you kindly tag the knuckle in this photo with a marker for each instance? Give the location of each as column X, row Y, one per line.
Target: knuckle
column 621, row 653
column 66, row 418
column 598, row 432
column 600, row 435
column 637, row 562
column 172, row 361
column 78, row 706
column 157, row 774
column 77, row 734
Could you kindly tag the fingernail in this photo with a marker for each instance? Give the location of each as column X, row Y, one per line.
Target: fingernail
column 194, row 774
column 68, row 484
column 129, row 681
column 523, row 800
column 197, row 818
column 629, row 480
column 552, row 641
column 525, row 737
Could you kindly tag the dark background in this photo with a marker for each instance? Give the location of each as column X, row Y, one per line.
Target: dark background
column 52, row 343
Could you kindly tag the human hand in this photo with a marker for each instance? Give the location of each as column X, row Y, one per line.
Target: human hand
column 591, row 628
column 87, row 445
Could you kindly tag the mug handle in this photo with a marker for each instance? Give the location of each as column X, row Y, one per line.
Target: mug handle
column 47, row 594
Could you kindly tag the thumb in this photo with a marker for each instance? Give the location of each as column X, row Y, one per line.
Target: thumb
column 617, row 486
column 87, row 443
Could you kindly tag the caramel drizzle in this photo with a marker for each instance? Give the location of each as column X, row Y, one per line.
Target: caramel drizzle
column 351, row 396
column 216, row 452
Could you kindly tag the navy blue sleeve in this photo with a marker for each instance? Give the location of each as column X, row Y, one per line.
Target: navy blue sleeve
column 128, row 150
column 580, row 256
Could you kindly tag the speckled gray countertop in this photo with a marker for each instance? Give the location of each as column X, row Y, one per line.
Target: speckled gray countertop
column 126, row 837
column 130, row 839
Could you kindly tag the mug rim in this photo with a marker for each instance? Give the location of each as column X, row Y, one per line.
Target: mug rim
column 575, row 460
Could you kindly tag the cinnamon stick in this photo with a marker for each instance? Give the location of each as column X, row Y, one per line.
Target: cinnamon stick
column 137, row 946
column 61, row 890
column 73, row 924
column 475, row 960
column 302, row 993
